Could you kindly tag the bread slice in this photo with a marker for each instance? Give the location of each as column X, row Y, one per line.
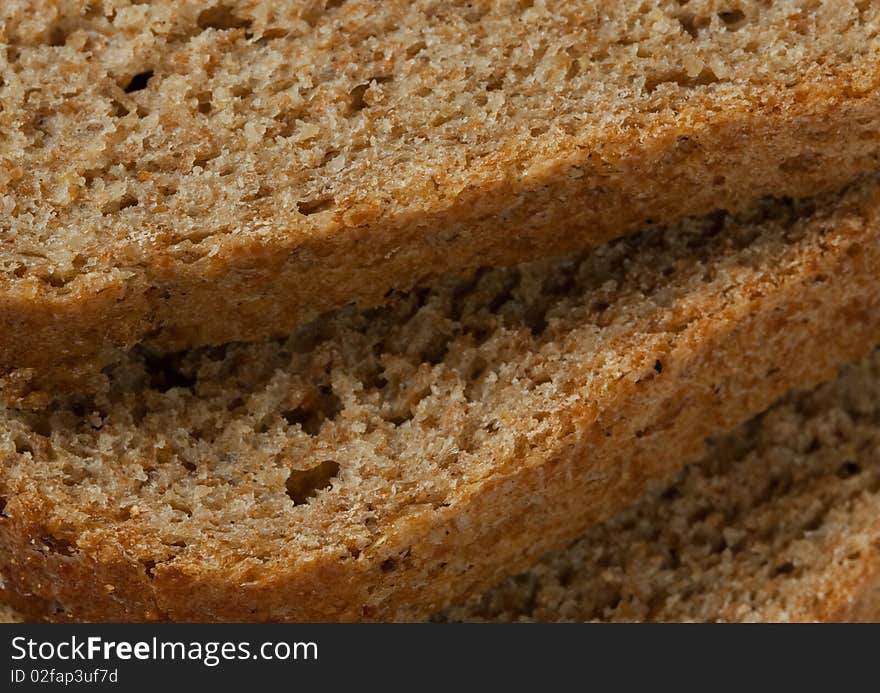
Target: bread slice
column 382, row 464
column 778, row 523
column 192, row 172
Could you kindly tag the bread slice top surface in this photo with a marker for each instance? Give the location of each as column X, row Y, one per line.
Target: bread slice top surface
column 267, row 456
column 778, row 523
column 178, row 128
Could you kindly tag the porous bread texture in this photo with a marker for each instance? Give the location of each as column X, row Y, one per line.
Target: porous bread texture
column 778, row 523
column 384, row 464
column 193, row 172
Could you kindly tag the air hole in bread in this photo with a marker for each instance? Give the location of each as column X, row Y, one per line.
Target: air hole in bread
column 535, row 318
column 3, row 507
column 138, row 82
column 271, row 34
column 733, row 20
column 815, row 522
column 221, row 18
column 309, row 207
column 317, row 406
column 416, row 48
column 57, row 545
column 119, row 109
column 165, row 372
column 786, row 568
column 692, row 24
column 261, row 193
column 848, row 469
column 57, row 36
column 357, row 97
column 149, row 567
column 55, row 280
column 287, row 123
column 400, row 420
column 495, row 83
column 23, row 446
column 706, row 76
column 180, row 506
column 303, row 484
column 124, row 202
column 204, row 100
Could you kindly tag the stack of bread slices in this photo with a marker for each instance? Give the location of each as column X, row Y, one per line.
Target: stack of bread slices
column 331, row 310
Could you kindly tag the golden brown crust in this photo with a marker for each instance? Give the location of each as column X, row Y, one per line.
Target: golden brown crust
column 856, row 602
column 707, row 150
column 787, row 324
column 865, row 606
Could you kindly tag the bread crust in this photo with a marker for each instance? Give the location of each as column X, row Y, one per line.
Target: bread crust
column 864, row 606
column 857, row 602
column 791, row 328
column 814, row 136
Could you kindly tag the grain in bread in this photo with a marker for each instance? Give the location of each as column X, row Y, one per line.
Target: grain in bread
column 383, row 464
column 192, row 172
column 779, row 522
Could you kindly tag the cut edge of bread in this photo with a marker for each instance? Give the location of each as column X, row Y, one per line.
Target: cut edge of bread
column 797, row 313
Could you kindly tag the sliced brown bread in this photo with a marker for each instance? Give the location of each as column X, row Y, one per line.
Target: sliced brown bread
column 780, row 522
column 192, row 172
column 777, row 523
column 385, row 463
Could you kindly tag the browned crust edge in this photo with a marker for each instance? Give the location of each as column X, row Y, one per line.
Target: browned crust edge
column 814, row 137
column 863, row 598
column 796, row 329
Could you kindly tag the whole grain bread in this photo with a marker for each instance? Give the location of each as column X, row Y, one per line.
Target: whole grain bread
column 779, row 522
column 383, row 464
column 191, row 172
